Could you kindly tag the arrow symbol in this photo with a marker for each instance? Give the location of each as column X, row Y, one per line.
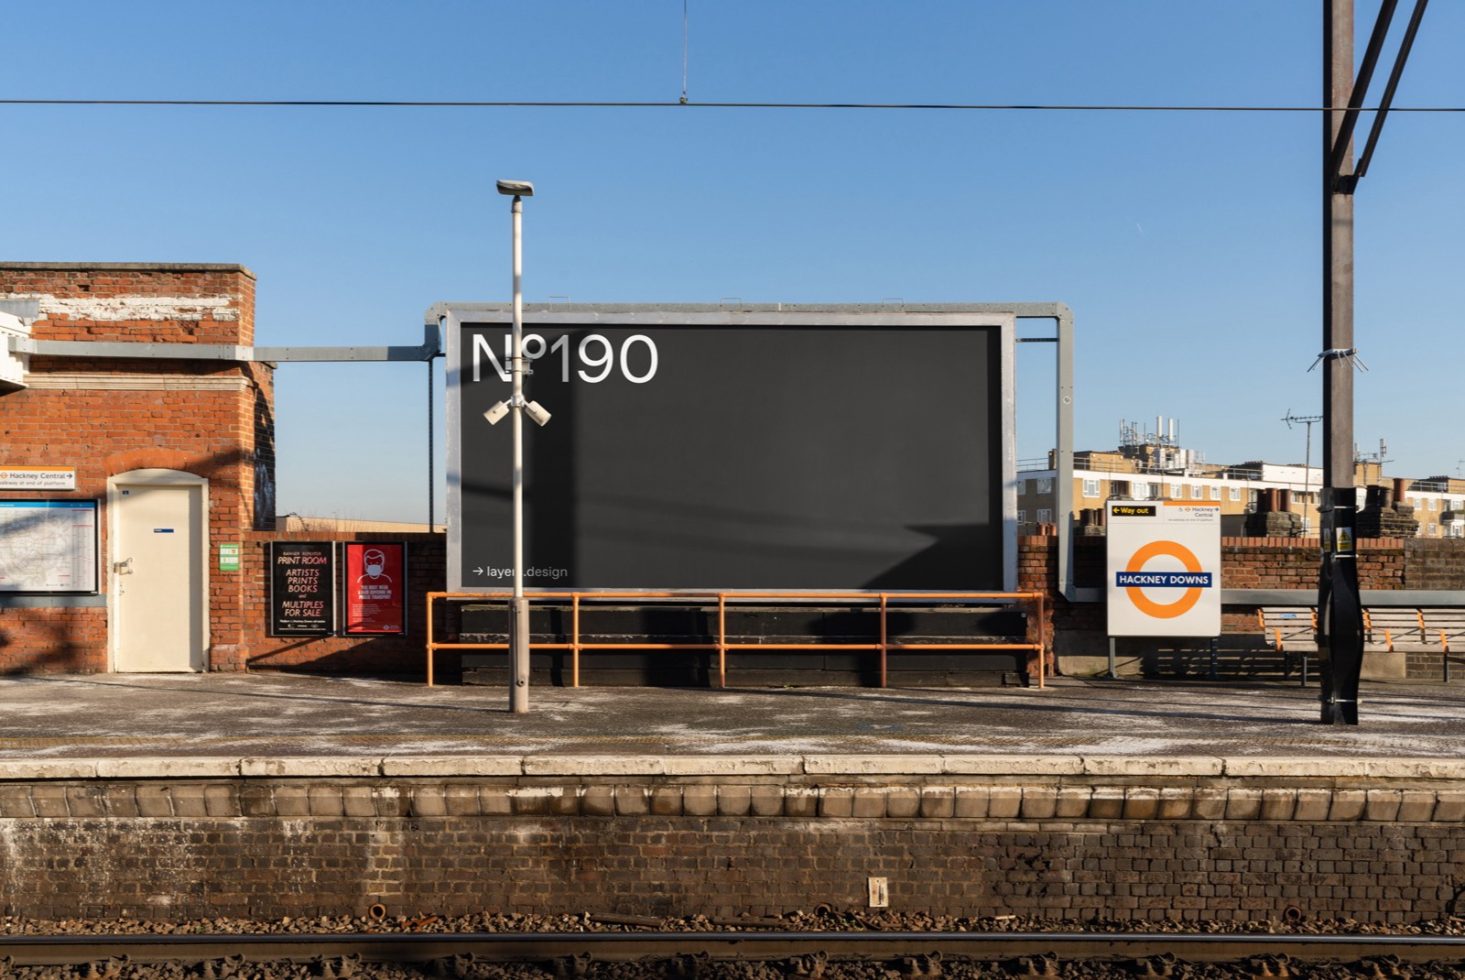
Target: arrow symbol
column 478, row 571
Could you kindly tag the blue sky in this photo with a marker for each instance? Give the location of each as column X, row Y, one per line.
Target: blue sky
column 1187, row 244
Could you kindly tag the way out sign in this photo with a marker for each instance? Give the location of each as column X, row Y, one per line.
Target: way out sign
column 1164, row 568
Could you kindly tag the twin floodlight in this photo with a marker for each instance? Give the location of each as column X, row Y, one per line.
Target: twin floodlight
column 537, row 413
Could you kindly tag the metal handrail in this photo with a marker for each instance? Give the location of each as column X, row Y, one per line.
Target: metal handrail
column 576, row 645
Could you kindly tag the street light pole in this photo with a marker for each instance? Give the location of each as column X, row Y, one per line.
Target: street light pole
column 519, row 605
column 519, row 631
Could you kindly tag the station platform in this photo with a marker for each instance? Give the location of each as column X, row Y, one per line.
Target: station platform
column 259, row 796
column 50, row 718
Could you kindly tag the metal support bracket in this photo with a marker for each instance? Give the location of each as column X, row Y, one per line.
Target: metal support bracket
column 1349, row 354
column 430, row 348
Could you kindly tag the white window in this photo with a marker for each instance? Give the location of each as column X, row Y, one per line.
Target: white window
column 1197, row 492
column 1175, row 490
column 1022, row 486
column 1045, row 484
column 1140, row 491
column 1215, row 492
column 1430, row 503
column 1022, row 517
column 1045, row 515
column 1235, row 493
column 1434, row 530
column 1457, row 530
column 1090, row 488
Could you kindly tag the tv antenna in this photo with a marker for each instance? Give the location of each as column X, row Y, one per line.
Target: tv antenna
column 1308, row 421
column 1378, row 457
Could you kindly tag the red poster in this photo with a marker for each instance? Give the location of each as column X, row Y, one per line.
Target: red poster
column 376, row 588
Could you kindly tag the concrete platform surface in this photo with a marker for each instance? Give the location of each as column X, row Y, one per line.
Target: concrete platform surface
column 248, row 720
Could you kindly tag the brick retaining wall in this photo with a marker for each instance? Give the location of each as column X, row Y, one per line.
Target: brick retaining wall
column 1074, row 847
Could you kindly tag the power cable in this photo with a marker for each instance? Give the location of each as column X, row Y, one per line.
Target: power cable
column 652, row 104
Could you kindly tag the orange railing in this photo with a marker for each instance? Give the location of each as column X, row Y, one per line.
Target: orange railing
column 884, row 646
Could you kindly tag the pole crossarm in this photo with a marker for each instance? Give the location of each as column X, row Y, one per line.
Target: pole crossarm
column 1346, row 183
column 1387, row 101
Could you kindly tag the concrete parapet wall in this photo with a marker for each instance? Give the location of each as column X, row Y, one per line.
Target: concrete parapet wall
column 1061, row 836
column 876, row 799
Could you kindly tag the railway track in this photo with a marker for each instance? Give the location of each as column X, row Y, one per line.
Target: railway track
column 410, row 948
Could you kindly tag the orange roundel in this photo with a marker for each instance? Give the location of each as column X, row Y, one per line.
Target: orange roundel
column 1188, row 598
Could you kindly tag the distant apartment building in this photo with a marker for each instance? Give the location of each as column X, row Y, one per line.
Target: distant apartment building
column 1439, row 506
column 1154, row 467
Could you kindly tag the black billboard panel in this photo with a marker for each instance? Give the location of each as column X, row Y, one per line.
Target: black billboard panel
column 784, row 450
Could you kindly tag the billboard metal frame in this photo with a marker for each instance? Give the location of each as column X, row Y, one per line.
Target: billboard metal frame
column 1001, row 317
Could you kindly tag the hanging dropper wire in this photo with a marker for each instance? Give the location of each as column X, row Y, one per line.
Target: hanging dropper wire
column 684, row 52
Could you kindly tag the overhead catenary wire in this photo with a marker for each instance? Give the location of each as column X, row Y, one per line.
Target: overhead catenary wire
column 690, row 104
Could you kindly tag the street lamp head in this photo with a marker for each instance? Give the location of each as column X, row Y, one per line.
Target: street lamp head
column 516, row 188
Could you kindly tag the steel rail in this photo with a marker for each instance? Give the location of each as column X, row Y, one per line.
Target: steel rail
column 33, row 950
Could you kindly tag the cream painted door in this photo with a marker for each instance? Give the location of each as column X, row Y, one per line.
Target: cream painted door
column 158, row 581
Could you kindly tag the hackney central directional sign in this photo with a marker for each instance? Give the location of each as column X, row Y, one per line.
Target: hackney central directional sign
column 1164, row 568
column 765, row 447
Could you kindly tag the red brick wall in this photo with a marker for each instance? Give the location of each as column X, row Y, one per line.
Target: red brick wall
column 1292, row 563
column 1246, row 563
column 124, row 285
column 50, row 640
column 1269, row 563
column 426, row 563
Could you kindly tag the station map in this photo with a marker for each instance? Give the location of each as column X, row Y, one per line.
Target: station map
column 48, row 545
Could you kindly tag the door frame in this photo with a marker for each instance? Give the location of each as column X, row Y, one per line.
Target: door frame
column 156, row 478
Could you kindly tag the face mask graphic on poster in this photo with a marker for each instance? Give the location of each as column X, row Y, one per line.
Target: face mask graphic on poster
column 374, row 583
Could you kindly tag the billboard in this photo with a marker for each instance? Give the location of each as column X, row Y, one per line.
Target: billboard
column 763, row 448
column 1163, row 568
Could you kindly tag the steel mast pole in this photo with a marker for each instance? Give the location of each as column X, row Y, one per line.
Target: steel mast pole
column 519, row 613
column 1340, row 614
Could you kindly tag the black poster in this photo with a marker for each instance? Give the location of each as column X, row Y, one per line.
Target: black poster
column 302, row 588
column 752, row 457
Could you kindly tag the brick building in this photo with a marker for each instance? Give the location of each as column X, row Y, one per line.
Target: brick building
column 137, row 481
column 177, row 453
